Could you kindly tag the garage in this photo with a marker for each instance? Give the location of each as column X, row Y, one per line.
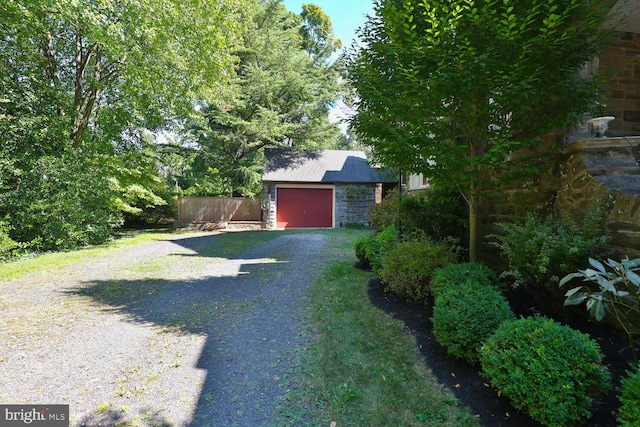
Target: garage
column 304, row 207
column 320, row 188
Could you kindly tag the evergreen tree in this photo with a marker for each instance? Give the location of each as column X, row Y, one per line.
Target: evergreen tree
column 281, row 96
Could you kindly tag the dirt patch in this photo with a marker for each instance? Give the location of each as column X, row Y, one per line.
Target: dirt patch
column 473, row 390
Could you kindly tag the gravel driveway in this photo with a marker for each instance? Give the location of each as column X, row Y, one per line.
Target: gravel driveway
column 165, row 333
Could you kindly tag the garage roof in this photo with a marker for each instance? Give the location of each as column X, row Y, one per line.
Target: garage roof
column 321, row 166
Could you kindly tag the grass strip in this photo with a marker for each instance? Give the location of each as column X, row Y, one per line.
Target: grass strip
column 362, row 368
column 49, row 261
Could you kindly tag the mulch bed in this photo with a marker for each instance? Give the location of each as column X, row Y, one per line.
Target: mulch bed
column 474, row 391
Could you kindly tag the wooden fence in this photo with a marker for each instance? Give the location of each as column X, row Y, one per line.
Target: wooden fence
column 218, row 209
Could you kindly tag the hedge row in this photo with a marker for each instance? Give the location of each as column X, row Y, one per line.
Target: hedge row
column 546, row 369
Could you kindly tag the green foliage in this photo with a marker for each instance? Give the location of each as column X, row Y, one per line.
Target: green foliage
column 280, row 97
column 55, row 197
column 407, row 268
column 617, row 292
column 317, row 33
column 385, row 213
column 111, row 57
column 376, row 249
column 437, row 212
column 59, row 202
column 435, row 98
column 539, row 252
column 8, row 246
column 80, row 92
column 629, row 414
column 139, row 191
column 453, row 274
column 360, row 247
column 464, row 316
column 546, row 369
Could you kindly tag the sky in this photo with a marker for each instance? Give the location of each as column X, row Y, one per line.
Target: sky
column 346, row 15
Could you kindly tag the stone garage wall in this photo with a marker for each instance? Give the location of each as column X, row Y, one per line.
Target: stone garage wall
column 269, row 205
column 353, row 202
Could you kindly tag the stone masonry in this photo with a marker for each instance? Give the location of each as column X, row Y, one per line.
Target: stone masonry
column 606, row 170
column 353, row 203
column 620, row 63
column 589, row 171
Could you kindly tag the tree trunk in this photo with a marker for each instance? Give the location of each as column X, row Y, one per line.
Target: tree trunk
column 473, row 228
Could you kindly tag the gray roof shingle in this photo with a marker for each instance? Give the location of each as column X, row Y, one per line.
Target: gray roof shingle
column 321, row 166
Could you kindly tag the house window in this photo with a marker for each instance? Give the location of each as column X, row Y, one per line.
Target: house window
column 417, row 182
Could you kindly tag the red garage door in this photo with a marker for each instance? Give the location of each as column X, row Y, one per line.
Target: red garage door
column 304, row 207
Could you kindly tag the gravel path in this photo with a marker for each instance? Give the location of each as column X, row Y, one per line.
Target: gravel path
column 163, row 333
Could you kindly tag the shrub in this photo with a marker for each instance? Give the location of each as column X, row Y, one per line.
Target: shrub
column 385, row 214
column 439, row 213
column 464, row 316
column 454, row 274
column 379, row 246
column 360, row 248
column 8, row 246
column 60, row 202
column 408, row 267
column 540, row 252
column 616, row 292
column 547, row 369
column 630, row 398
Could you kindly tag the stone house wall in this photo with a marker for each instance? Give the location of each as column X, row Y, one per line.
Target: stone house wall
column 605, row 171
column 620, row 64
column 587, row 172
column 269, row 205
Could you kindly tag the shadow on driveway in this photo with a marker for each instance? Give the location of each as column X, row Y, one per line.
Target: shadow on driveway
column 248, row 311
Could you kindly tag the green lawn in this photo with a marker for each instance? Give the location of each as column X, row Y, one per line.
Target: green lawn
column 54, row 260
column 361, row 367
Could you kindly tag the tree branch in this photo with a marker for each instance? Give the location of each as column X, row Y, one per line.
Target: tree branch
column 84, row 100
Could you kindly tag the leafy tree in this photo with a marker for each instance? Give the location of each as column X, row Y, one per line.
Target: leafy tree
column 452, row 89
column 281, row 96
column 79, row 83
column 58, row 203
column 317, row 33
column 106, row 65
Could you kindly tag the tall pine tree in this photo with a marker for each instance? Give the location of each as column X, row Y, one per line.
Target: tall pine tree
column 284, row 88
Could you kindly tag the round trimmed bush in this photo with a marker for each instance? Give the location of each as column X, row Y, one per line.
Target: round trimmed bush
column 408, row 267
column 464, row 316
column 546, row 369
column 360, row 248
column 630, row 399
column 454, row 274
